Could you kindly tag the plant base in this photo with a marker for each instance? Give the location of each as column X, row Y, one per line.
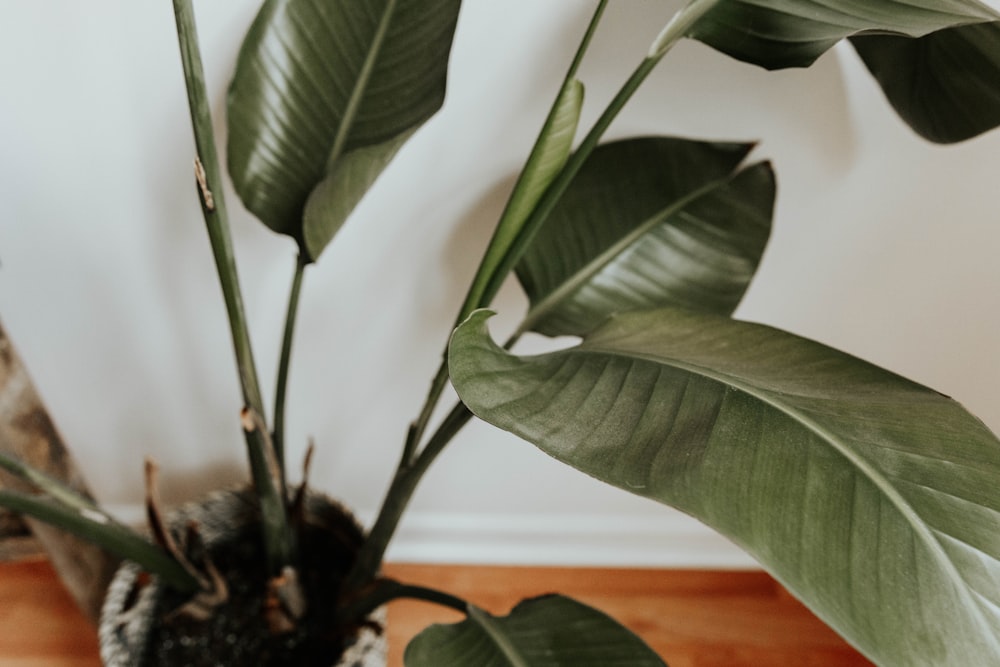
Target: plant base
column 141, row 624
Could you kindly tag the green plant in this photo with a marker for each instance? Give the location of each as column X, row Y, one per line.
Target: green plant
column 643, row 248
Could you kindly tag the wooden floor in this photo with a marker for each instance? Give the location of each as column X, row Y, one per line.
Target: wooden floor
column 692, row 618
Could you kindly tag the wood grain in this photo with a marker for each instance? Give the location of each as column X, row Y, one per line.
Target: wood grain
column 692, row 618
column 40, row 626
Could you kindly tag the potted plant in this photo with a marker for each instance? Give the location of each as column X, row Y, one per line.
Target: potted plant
column 871, row 497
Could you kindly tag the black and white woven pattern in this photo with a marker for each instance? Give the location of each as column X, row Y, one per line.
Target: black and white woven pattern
column 123, row 632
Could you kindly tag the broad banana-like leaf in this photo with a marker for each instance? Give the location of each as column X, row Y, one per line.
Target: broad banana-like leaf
column 324, row 94
column 649, row 222
column 550, row 631
column 874, row 499
column 945, row 85
column 792, row 33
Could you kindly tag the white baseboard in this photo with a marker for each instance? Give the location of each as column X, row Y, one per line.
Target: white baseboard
column 605, row 541
column 672, row 540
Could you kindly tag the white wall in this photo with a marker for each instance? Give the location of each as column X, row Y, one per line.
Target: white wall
column 883, row 245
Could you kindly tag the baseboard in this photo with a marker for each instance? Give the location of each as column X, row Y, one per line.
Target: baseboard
column 669, row 540
column 605, row 541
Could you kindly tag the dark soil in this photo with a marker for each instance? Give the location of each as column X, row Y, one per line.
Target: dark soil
column 237, row 633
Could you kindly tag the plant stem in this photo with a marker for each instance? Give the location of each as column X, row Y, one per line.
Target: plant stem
column 477, row 300
column 280, row 545
column 403, row 485
column 55, row 489
column 100, row 529
column 213, row 202
column 401, row 489
column 387, row 590
column 284, row 362
column 679, row 26
column 525, row 191
column 673, row 33
column 269, row 489
column 588, row 37
column 418, row 427
column 562, row 181
column 410, row 471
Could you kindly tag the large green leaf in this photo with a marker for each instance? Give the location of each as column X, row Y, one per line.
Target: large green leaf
column 649, row 222
column 550, row 631
column 793, row 33
column 324, row 94
column 945, row 85
column 876, row 500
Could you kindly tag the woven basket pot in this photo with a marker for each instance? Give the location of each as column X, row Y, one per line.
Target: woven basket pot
column 130, row 613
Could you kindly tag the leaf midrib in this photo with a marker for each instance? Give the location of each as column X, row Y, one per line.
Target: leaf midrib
column 361, row 85
column 552, row 301
column 488, row 625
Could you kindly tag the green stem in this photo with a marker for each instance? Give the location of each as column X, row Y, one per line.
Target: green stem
column 55, row 489
column 548, row 201
column 588, row 37
column 209, row 178
column 679, row 26
column 284, row 362
column 410, row 471
column 387, row 590
column 280, row 544
column 213, row 202
column 475, row 300
column 403, row 485
column 106, row 533
column 675, row 30
column 561, row 182
column 418, row 427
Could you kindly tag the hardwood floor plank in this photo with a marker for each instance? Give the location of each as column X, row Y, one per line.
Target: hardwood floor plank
column 692, row 618
column 40, row 625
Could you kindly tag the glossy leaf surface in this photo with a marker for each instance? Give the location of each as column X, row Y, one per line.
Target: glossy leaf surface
column 649, row 222
column 550, row 631
column 874, row 499
column 792, row 33
column 945, row 85
column 324, row 94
